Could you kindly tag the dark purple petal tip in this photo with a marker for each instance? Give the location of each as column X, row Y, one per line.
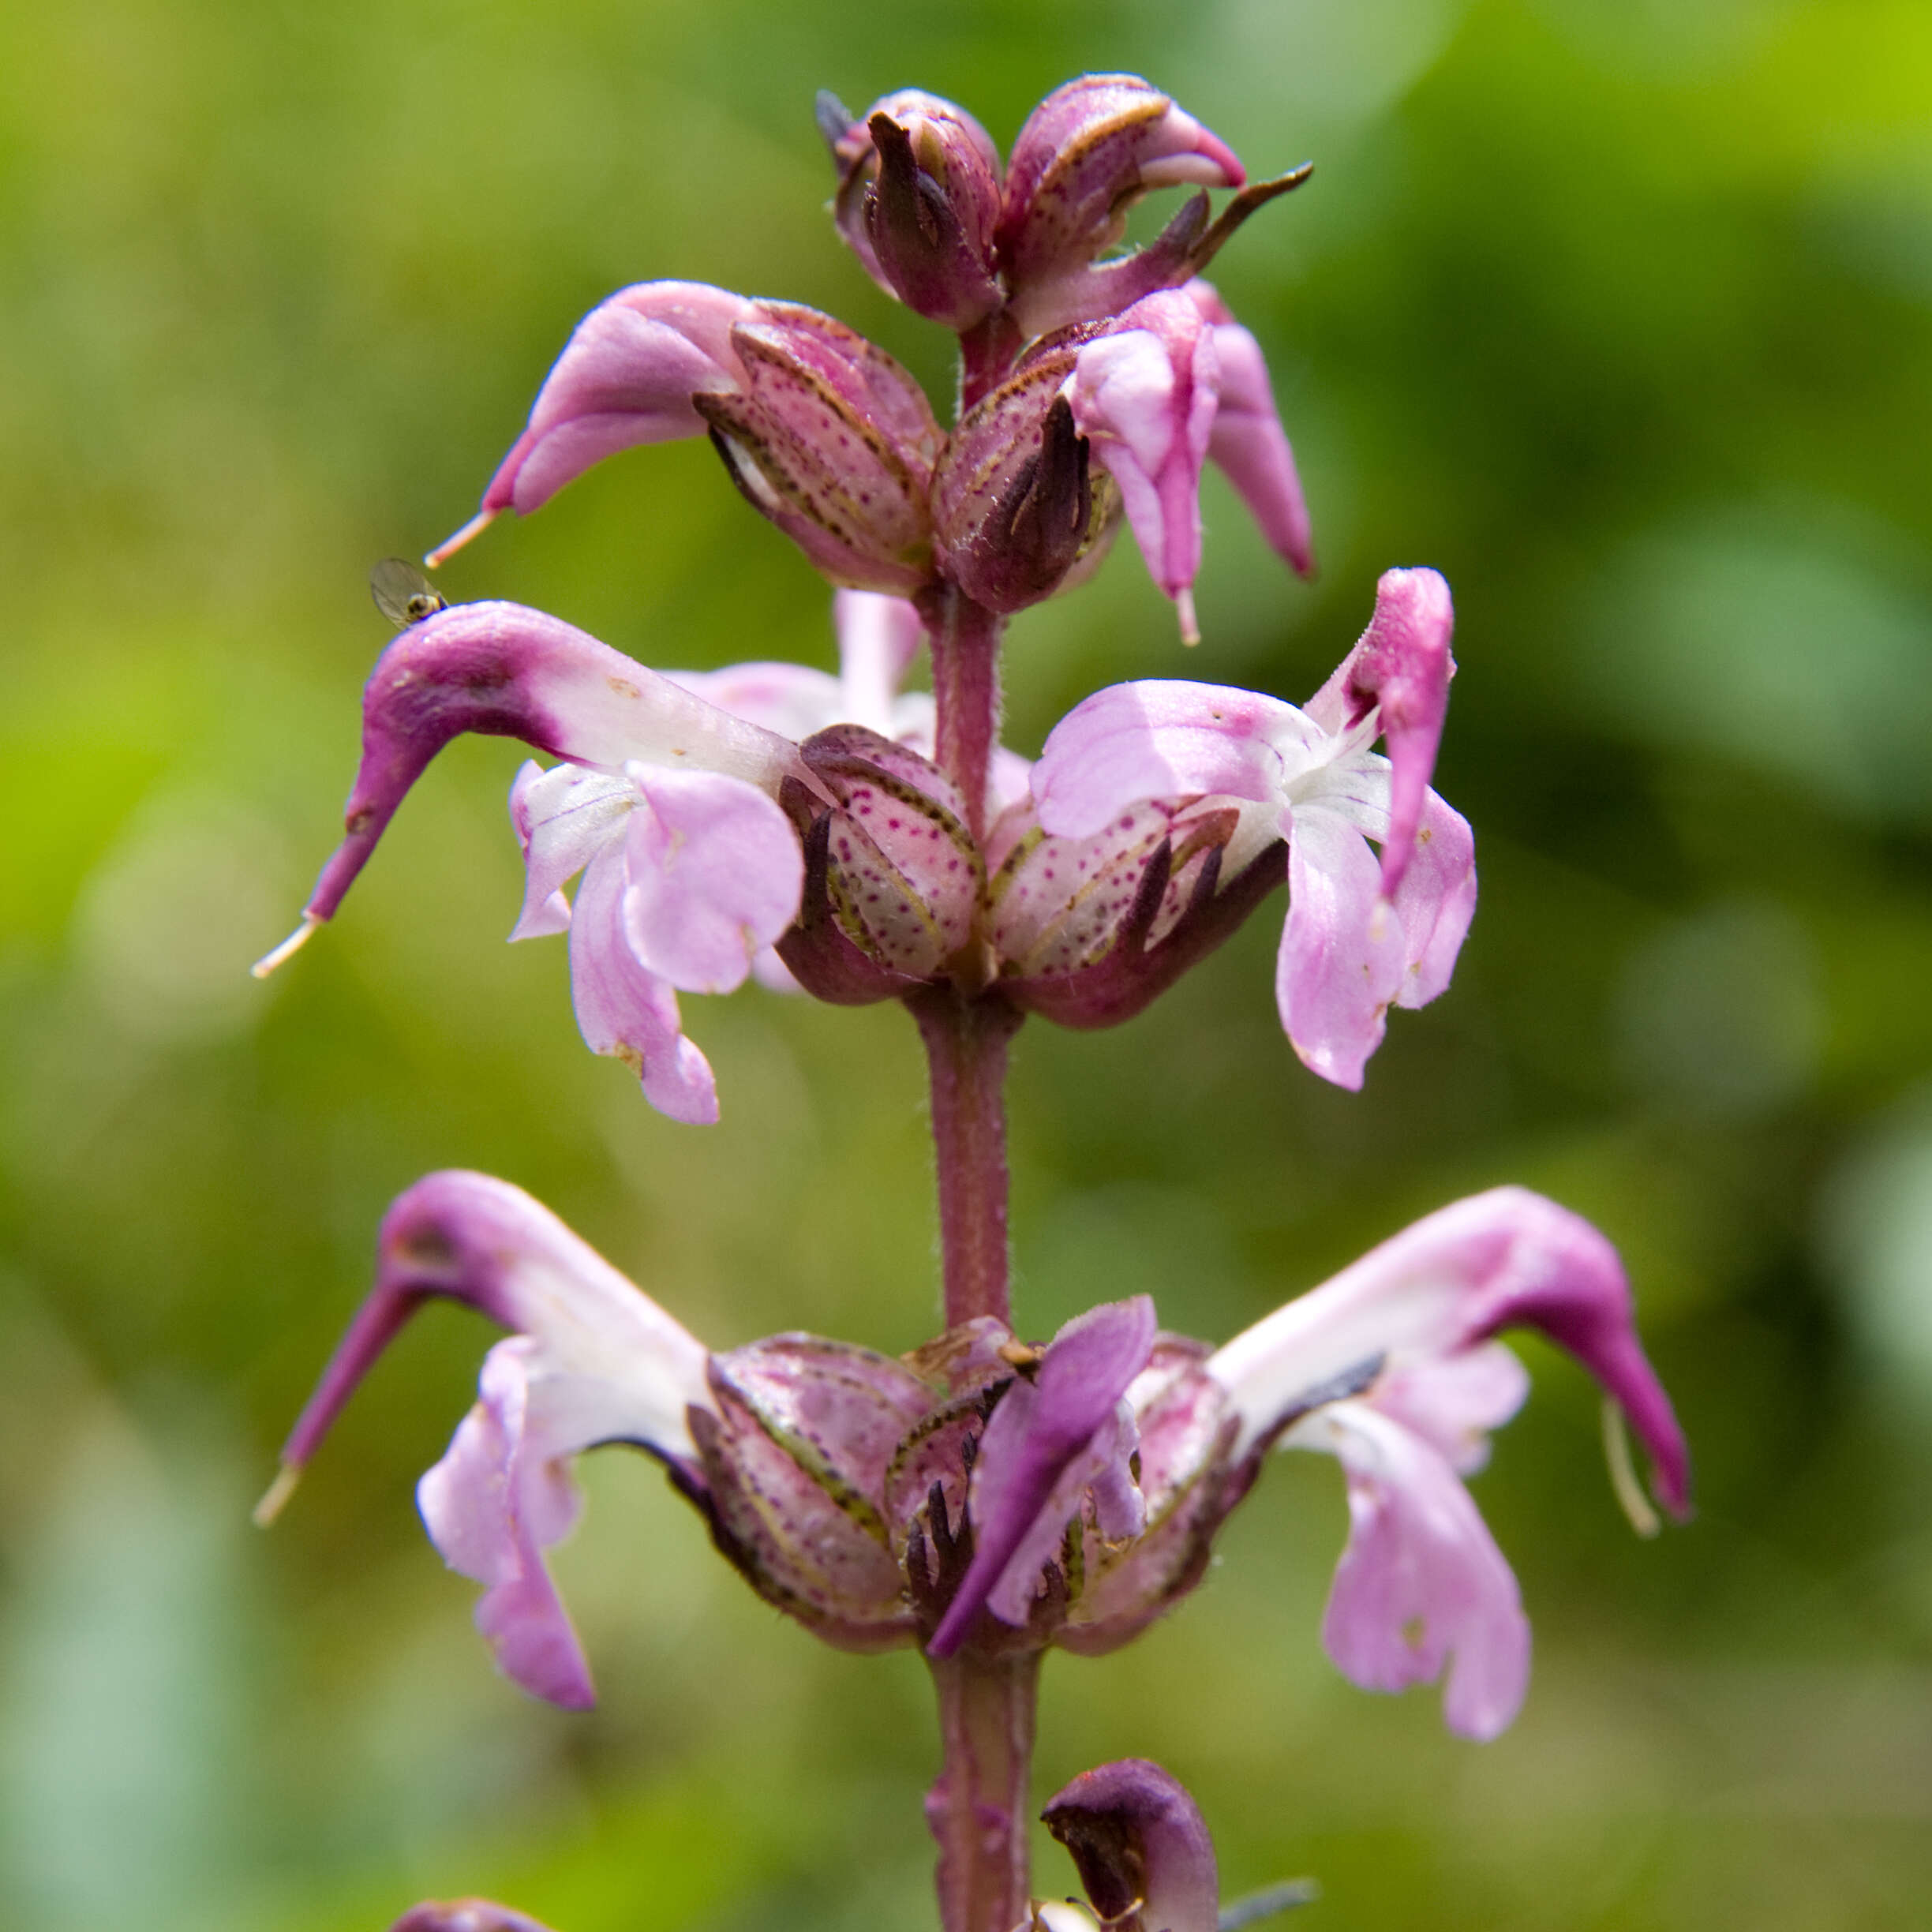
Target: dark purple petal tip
column 1141, row 1845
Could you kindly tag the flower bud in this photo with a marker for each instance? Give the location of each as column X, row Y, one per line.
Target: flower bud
column 903, row 875
column 1015, row 504
column 1144, row 1852
column 919, row 198
column 834, row 442
column 1088, row 930
column 796, row 1459
column 1087, row 152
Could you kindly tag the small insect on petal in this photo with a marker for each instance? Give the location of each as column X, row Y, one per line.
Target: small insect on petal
column 403, row 594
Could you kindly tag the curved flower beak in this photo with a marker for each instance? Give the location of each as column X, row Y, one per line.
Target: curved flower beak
column 1507, row 1259
column 1050, row 1439
column 592, row 1360
column 1143, row 1851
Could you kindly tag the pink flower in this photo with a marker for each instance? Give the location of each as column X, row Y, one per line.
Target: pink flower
column 704, row 869
column 822, row 432
column 592, row 1360
column 1391, row 1368
column 1360, row 937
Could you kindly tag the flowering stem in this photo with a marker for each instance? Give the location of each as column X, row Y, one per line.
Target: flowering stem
column 965, row 638
column 966, row 1052
column 978, row 1808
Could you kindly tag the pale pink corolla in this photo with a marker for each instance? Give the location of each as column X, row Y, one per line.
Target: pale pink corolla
column 711, row 871
column 1172, row 382
column 1391, row 1367
column 1248, row 442
column 628, row 376
column 823, row 432
column 1360, row 935
column 593, row 1359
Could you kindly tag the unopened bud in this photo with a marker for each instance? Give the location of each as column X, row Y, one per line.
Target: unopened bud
column 918, row 200
column 1087, row 154
column 903, row 875
column 1015, row 502
column 834, row 442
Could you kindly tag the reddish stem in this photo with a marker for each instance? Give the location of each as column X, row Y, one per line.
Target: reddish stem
column 965, row 638
column 966, row 1052
column 979, row 1809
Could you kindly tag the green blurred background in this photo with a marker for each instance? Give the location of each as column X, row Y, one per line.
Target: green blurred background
column 1619, row 312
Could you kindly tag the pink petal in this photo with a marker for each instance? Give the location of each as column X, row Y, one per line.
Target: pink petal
column 1401, row 667
column 492, row 1505
column 1452, row 1403
column 1249, row 442
column 1166, row 739
column 1144, row 395
column 1071, row 1403
column 1435, row 901
column 1340, row 967
column 563, row 818
column 626, row 1010
column 1422, row 1582
column 878, row 638
column 715, row 874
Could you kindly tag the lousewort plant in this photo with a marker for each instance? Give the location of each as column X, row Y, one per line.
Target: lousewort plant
column 985, row 1498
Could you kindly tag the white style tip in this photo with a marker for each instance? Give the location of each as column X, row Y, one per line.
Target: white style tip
column 276, row 956
column 451, row 545
column 1184, row 609
column 274, row 1498
column 1623, row 1480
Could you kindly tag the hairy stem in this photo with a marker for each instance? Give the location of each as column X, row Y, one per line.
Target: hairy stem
column 966, row 1052
column 965, row 639
column 979, row 1808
